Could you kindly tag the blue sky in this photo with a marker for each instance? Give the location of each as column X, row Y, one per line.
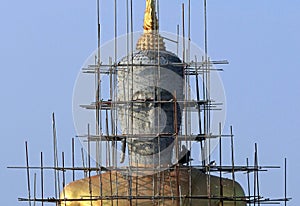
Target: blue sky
column 43, row 45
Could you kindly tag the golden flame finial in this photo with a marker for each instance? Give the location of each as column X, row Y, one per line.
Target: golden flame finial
column 150, row 40
column 150, row 19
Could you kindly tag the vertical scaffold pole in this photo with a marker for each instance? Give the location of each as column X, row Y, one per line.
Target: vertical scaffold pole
column 28, row 173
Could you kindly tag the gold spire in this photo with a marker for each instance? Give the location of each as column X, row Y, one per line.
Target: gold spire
column 150, row 40
column 150, row 19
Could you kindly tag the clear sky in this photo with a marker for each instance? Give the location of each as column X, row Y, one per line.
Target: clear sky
column 43, row 45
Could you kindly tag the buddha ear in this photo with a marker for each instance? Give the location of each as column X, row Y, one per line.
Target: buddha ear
column 123, row 150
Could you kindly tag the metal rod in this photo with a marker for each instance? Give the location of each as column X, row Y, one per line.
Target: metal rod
column 254, row 179
column 127, row 31
column 204, row 119
column 198, row 100
column 205, row 28
column 55, row 157
column 130, row 189
column 185, row 77
column 42, row 177
column 105, row 67
column 206, row 80
column 177, row 184
column 99, row 130
column 189, row 30
column 100, row 183
column 158, row 90
column 190, row 183
column 176, row 147
column 64, row 175
column 124, row 75
column 98, row 87
column 131, row 90
column 176, row 126
column 162, row 186
column 108, row 152
column 248, row 181
column 285, row 181
column 98, row 107
column 83, row 163
column 114, row 119
column 183, row 35
column 110, row 184
column 146, row 197
column 208, row 172
column 108, row 160
column 98, row 33
column 116, row 186
column 177, row 46
column 198, row 110
column 89, row 165
column 63, row 168
column 28, row 172
column 115, row 32
column 153, row 175
column 34, row 189
column 232, row 163
column 73, row 158
column 220, row 162
column 257, row 177
column 136, row 182
column 241, row 168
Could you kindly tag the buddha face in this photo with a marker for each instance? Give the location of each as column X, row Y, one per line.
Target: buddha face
column 152, row 115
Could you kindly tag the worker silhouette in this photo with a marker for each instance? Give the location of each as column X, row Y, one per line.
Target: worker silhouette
column 185, row 155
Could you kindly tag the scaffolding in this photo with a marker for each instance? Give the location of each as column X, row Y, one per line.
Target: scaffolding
column 110, row 179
